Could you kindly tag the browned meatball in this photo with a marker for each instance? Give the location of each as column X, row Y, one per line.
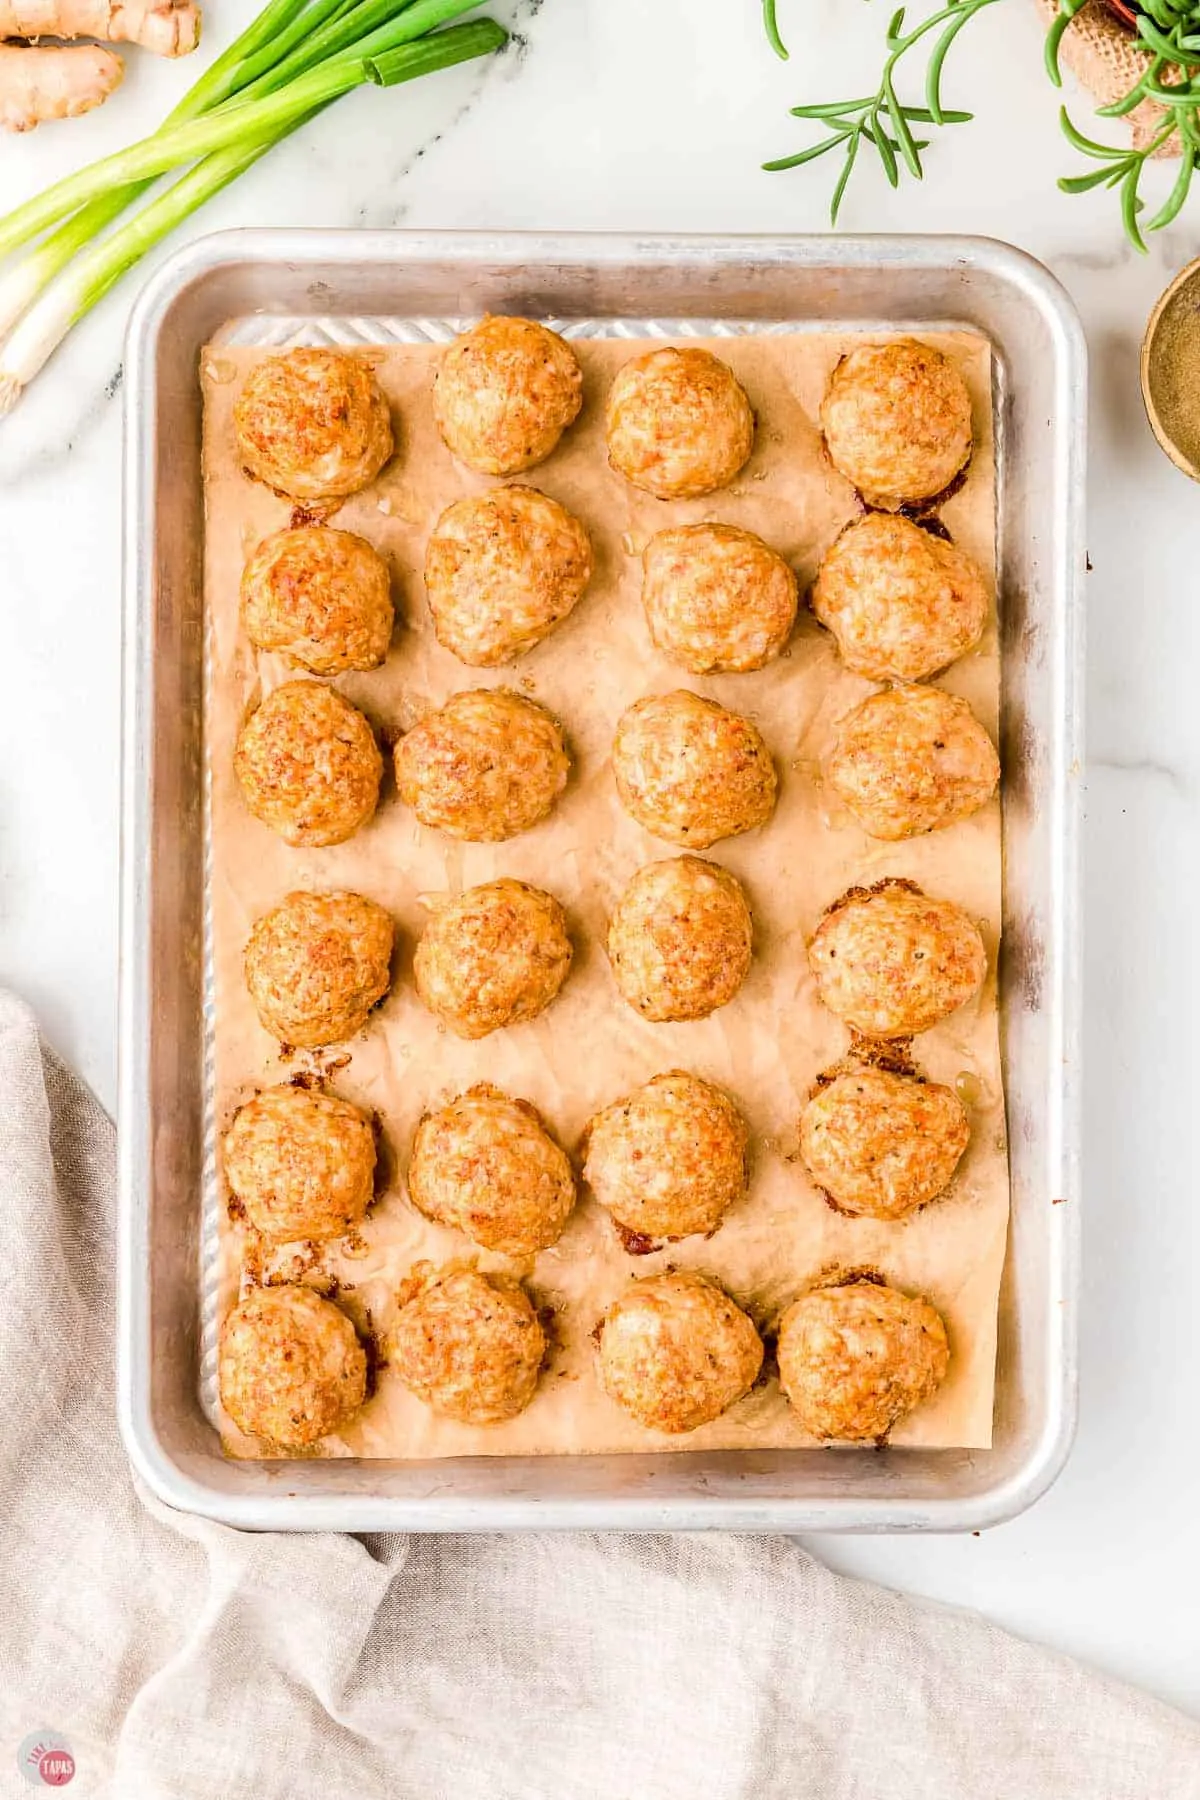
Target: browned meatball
column 470, row 1346
column 681, row 938
column 901, row 603
column 291, row 1368
column 910, row 760
column 317, row 965
column 717, row 598
column 675, row 1352
column 671, row 1159
column 488, row 765
column 495, row 956
column 301, row 1163
column 313, row 424
column 504, row 393
column 486, row 1165
column 880, row 1142
column 891, row 960
column 854, row 1360
column 502, row 569
column 690, row 771
column 897, row 421
column 308, row 765
column 678, row 423
column 320, row 597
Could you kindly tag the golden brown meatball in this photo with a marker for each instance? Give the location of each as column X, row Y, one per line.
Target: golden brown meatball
column 901, row 603
column 488, row 765
column 504, row 393
column 502, row 569
column 717, row 598
column 680, row 939
column 308, row 764
column 910, row 760
column 880, row 1143
column 690, row 771
column 891, row 960
column 291, row 1368
column 486, row 1165
column 317, row 965
column 678, row 423
column 495, row 956
column 854, row 1360
column 320, row 597
column 675, row 1352
column 897, row 421
column 470, row 1346
column 671, row 1159
column 301, row 1163
column 313, row 424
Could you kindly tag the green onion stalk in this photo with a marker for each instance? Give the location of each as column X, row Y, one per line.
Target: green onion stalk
column 20, row 286
column 251, row 60
column 295, row 59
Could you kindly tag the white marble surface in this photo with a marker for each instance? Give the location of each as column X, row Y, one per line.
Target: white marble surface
column 655, row 116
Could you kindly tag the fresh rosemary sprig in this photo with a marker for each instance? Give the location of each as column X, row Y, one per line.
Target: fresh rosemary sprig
column 1169, row 33
column 881, row 120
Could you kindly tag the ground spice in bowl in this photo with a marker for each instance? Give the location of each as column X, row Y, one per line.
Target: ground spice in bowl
column 1170, row 371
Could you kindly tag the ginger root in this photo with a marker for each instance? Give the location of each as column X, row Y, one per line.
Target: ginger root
column 167, row 27
column 41, row 81
column 47, row 82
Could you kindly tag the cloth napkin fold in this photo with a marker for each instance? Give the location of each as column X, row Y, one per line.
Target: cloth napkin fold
column 181, row 1659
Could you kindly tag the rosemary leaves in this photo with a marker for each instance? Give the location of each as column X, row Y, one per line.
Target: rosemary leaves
column 881, row 121
column 1168, row 31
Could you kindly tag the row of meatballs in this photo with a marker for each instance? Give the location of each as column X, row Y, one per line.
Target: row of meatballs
column 314, row 425
column 491, row 764
column 889, row 960
column 504, row 568
column 666, row 1163
column 675, row 1351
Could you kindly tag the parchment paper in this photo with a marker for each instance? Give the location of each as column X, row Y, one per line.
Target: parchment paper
column 590, row 1048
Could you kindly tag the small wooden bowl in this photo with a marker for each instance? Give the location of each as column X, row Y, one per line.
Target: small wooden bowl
column 1162, row 371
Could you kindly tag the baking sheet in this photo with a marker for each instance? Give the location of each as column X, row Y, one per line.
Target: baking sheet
column 589, row 1048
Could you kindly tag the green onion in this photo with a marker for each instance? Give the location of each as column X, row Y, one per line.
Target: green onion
column 294, row 60
column 279, row 26
column 179, row 144
column 228, row 125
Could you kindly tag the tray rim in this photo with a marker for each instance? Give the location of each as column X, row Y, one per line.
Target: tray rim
column 291, row 1509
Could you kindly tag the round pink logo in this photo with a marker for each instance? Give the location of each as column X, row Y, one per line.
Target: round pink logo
column 56, row 1767
column 45, row 1760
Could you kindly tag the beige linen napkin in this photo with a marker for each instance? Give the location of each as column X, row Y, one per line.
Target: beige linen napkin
column 180, row 1660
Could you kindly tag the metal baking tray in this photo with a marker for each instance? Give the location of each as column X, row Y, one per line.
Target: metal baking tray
column 353, row 287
